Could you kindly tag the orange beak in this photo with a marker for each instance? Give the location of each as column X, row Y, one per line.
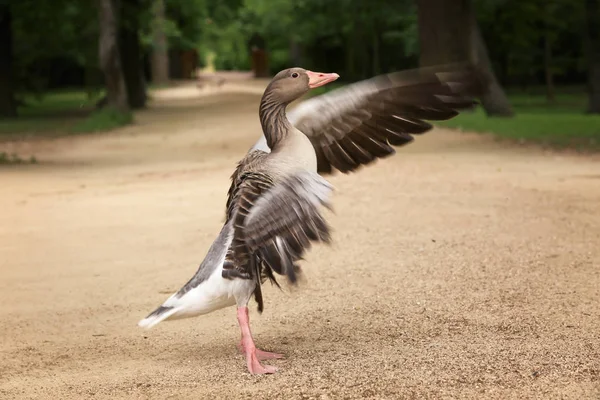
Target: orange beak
column 316, row 79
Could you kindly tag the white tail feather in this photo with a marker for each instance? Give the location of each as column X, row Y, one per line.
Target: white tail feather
column 152, row 320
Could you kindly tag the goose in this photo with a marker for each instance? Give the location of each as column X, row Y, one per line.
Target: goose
column 278, row 192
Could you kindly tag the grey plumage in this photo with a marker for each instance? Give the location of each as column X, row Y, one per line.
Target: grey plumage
column 276, row 198
column 283, row 223
column 273, row 209
column 210, row 262
column 275, row 217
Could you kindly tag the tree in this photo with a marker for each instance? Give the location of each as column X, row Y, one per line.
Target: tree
column 444, row 31
column 131, row 53
column 8, row 106
column 448, row 33
column 54, row 44
column 548, row 71
column 593, row 54
column 110, row 59
column 160, row 55
column 493, row 100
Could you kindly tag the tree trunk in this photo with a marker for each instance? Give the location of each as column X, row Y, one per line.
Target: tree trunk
column 593, row 54
column 110, row 60
column 448, row 33
column 160, row 53
column 259, row 63
column 8, row 105
column 494, row 100
column 548, row 68
column 444, row 31
column 131, row 55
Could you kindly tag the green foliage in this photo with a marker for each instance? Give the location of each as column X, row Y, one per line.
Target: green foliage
column 104, row 119
column 64, row 33
column 363, row 30
column 230, row 45
column 515, row 32
column 226, row 34
column 355, row 38
column 359, row 39
column 47, row 30
column 184, row 25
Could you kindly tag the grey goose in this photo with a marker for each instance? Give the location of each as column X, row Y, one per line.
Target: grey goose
column 278, row 192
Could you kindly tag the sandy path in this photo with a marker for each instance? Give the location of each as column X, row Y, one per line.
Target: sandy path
column 461, row 269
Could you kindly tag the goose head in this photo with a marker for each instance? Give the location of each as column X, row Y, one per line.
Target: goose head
column 290, row 84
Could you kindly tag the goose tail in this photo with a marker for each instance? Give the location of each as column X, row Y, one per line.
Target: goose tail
column 160, row 314
column 206, row 291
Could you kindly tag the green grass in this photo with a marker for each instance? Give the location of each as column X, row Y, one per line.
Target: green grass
column 555, row 129
column 10, row 159
column 104, row 119
column 562, row 124
column 59, row 113
column 58, row 102
column 54, row 113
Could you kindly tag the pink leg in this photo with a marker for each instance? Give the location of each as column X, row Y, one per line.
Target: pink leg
column 253, row 355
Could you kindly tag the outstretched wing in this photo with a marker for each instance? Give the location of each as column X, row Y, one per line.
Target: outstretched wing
column 286, row 219
column 276, row 221
column 274, row 224
column 358, row 123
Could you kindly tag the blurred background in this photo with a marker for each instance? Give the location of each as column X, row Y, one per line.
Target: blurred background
column 463, row 267
column 77, row 66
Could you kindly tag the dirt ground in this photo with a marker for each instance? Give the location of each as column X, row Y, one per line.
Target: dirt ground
column 461, row 268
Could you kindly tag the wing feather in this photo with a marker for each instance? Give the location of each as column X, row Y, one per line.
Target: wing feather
column 359, row 123
column 286, row 219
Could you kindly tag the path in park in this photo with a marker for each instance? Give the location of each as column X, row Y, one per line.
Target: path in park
column 461, row 268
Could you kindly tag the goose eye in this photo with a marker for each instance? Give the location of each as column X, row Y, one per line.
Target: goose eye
column 295, row 75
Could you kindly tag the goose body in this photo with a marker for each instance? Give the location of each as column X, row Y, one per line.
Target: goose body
column 277, row 192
